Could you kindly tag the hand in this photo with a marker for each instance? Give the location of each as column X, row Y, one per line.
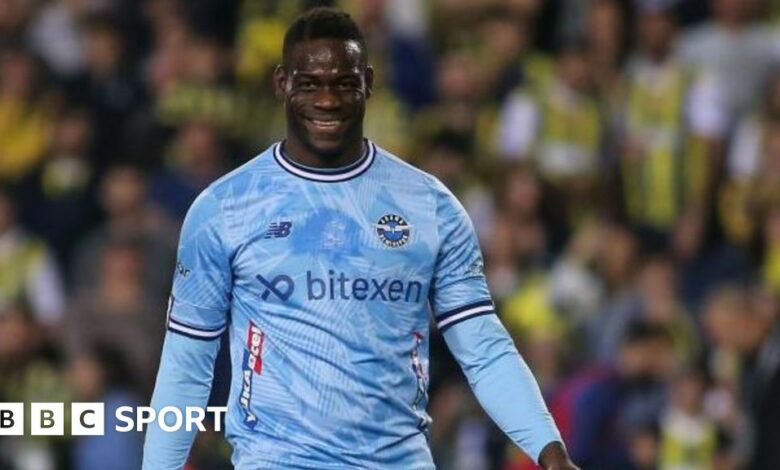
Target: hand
column 555, row 457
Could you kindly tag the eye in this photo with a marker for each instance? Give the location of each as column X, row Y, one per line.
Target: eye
column 307, row 86
column 347, row 85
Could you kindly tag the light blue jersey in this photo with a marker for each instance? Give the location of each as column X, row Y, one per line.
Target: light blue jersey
column 328, row 282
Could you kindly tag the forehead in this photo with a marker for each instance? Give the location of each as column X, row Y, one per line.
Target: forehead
column 325, row 55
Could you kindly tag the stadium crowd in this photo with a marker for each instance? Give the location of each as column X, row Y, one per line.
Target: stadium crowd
column 620, row 161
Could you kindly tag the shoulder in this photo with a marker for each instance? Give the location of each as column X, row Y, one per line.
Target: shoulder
column 231, row 188
column 238, row 181
column 415, row 182
column 412, row 177
column 393, row 167
column 445, row 203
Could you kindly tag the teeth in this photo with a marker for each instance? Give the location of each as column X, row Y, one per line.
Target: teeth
column 325, row 123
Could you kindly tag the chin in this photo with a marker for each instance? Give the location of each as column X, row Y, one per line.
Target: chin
column 328, row 147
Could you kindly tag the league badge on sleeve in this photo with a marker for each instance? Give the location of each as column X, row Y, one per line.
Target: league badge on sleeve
column 393, row 230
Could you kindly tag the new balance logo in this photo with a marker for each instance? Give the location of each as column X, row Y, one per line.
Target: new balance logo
column 278, row 230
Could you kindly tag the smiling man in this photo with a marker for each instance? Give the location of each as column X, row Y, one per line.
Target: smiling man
column 326, row 258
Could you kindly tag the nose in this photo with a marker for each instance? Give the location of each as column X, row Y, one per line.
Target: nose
column 327, row 100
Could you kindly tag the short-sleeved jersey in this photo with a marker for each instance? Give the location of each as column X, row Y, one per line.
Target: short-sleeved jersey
column 327, row 282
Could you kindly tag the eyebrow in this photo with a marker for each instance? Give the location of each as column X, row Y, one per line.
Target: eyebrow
column 315, row 75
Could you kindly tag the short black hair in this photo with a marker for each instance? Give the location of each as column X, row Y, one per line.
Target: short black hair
column 323, row 23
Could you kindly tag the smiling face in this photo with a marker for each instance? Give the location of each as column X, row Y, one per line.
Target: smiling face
column 325, row 84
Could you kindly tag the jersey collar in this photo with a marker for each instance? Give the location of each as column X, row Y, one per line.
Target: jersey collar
column 329, row 175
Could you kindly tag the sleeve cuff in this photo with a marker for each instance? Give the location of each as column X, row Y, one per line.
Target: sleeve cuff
column 205, row 334
column 452, row 317
column 189, row 328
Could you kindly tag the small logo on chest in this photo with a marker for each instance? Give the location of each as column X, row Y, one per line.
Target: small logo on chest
column 278, row 230
column 393, row 230
column 272, row 287
column 182, row 270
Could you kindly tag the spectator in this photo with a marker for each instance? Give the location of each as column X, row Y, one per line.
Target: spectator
column 643, row 447
column 260, row 32
column 460, row 85
column 655, row 301
column 689, row 438
column 200, row 80
column 738, row 50
column 763, row 354
column 124, row 199
column 618, row 260
column 389, row 120
column 57, row 200
column 605, row 33
column 599, row 407
column 119, row 313
column 672, row 125
column 27, row 110
column 28, row 272
column 101, row 375
column 771, row 267
column 55, row 36
column 558, row 129
column 720, row 318
column 109, row 86
column 14, row 18
column 752, row 170
column 450, row 157
column 196, row 158
column 745, row 329
column 508, row 38
column 576, row 287
column 519, row 241
column 28, row 375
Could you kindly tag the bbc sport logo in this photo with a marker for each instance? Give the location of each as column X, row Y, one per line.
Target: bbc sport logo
column 88, row 419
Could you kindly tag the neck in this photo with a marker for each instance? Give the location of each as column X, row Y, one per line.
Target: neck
column 303, row 154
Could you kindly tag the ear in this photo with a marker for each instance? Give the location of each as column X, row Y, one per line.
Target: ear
column 369, row 77
column 280, row 81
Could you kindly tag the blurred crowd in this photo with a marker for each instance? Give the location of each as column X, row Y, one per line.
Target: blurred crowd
column 620, row 160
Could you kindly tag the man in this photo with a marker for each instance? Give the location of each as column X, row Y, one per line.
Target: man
column 745, row 325
column 557, row 126
column 671, row 126
column 739, row 50
column 603, row 407
column 321, row 257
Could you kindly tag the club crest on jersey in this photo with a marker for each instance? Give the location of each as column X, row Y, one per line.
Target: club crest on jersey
column 393, row 230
